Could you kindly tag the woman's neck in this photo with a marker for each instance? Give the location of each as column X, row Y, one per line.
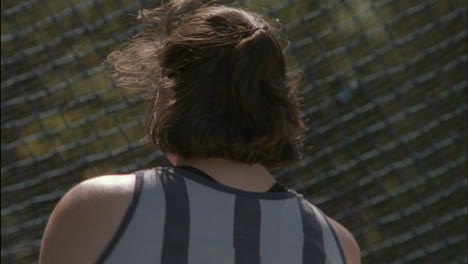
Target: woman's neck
column 252, row 178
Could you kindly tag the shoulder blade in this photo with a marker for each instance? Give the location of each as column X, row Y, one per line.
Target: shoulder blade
column 85, row 219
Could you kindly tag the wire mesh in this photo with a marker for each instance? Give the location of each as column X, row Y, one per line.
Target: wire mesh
column 385, row 97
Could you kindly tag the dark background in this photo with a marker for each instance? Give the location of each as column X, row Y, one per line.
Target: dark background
column 385, row 97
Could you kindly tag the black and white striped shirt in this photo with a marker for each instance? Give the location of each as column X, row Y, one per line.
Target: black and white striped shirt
column 179, row 217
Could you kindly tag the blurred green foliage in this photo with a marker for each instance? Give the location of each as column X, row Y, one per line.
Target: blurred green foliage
column 384, row 94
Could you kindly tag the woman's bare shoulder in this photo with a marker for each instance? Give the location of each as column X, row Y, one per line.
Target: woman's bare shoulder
column 348, row 243
column 85, row 219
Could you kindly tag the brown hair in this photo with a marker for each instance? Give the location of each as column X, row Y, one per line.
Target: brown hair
column 217, row 82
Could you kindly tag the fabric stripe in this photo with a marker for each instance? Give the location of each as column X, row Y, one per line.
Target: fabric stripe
column 211, row 225
column 281, row 236
column 331, row 245
column 337, row 242
column 246, row 230
column 313, row 250
column 142, row 238
column 177, row 220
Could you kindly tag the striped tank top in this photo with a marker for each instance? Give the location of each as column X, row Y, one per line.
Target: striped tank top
column 179, row 217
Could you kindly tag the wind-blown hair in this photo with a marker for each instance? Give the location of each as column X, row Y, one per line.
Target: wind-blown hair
column 217, row 82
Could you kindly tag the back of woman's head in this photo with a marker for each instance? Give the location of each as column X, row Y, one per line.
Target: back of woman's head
column 216, row 79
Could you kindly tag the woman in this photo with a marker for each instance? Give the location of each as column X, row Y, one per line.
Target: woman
column 224, row 110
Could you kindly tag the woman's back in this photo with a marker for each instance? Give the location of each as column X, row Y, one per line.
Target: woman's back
column 170, row 215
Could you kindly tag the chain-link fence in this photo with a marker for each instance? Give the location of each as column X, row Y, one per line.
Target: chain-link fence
column 385, row 96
